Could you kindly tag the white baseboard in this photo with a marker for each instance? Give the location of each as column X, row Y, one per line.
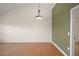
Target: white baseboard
column 59, row 48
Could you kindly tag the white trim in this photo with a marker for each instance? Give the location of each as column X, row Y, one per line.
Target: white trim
column 72, row 50
column 59, row 48
column 75, row 7
column 70, row 33
column 52, row 6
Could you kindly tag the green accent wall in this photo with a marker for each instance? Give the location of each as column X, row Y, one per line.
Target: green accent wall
column 61, row 25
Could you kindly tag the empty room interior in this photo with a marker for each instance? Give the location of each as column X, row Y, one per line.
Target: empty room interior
column 36, row 29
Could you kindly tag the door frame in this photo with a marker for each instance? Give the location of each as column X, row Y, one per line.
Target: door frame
column 72, row 36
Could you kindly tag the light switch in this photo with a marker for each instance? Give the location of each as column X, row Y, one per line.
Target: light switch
column 68, row 33
column 68, row 48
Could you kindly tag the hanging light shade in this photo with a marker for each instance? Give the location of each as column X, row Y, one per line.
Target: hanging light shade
column 39, row 17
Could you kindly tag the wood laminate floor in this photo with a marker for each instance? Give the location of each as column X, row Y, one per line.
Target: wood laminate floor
column 77, row 49
column 29, row 49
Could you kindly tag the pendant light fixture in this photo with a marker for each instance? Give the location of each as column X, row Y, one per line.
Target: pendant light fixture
column 38, row 17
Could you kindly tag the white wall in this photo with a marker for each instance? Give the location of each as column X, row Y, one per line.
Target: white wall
column 20, row 25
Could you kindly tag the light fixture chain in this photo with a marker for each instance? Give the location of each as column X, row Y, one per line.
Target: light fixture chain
column 38, row 6
column 39, row 9
column 39, row 16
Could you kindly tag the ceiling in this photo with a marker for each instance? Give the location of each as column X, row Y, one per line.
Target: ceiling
column 5, row 7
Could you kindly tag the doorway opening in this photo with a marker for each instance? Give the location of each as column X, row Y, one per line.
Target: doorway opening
column 74, row 31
